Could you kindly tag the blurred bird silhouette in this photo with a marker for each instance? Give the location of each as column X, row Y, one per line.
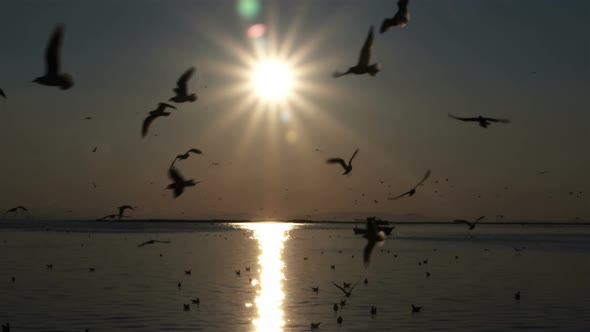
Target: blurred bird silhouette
column 373, row 236
column 158, row 112
column 412, row 191
column 2, row 94
column 341, row 162
column 347, row 293
column 186, row 155
column 401, row 18
column 470, row 225
column 179, row 182
column 122, row 209
column 181, row 89
column 151, row 242
column 363, row 66
column 483, row 122
column 53, row 76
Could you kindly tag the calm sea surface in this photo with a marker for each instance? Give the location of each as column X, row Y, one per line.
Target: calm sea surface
column 136, row 288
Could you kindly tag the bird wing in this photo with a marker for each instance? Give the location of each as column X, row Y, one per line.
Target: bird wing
column 182, row 81
column 365, row 55
column 462, row 119
column 423, row 179
column 160, row 241
column 149, row 119
column 337, row 161
column 353, row 155
column 144, row 243
column 367, row 252
column 162, row 106
column 175, row 175
column 463, row 222
column 2, row 93
column 122, row 208
column 497, row 120
column 193, row 150
column 52, row 51
column 22, row 208
column 400, row 196
column 478, row 219
column 338, row 286
column 402, row 5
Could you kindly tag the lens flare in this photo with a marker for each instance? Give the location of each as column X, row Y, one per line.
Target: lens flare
column 272, row 80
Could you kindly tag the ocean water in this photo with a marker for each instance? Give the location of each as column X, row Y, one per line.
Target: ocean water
column 136, row 288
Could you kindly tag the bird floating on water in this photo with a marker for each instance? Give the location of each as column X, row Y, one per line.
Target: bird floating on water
column 412, row 191
column 401, row 18
column 363, row 66
column 341, row 162
column 158, row 112
column 53, row 76
column 181, row 89
column 483, row 121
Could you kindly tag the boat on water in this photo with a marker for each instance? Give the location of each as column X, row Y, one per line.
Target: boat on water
column 382, row 224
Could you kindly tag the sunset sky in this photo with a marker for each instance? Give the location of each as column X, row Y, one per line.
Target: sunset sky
column 528, row 61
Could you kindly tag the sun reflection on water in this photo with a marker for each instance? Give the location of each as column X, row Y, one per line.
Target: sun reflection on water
column 271, row 237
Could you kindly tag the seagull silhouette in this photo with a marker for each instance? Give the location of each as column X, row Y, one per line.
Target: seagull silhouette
column 15, row 209
column 122, row 209
column 181, row 88
column 483, row 121
column 416, row 308
column 160, row 111
column 347, row 168
column 470, row 225
column 186, row 155
column 151, row 242
column 363, row 67
column 412, row 191
column 179, row 182
column 347, row 293
column 373, row 236
column 52, row 76
column 401, row 18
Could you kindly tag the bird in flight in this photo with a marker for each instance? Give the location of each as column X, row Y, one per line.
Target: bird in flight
column 412, row 191
column 2, row 94
column 347, row 168
column 483, row 121
column 160, row 111
column 16, row 209
column 53, row 76
column 122, row 209
column 108, row 216
column 179, row 182
column 95, row 149
column 151, row 242
column 401, row 18
column 363, row 67
column 186, row 155
column 373, row 236
column 470, row 225
column 347, row 293
column 181, row 88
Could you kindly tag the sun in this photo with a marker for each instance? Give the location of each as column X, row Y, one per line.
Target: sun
column 272, row 80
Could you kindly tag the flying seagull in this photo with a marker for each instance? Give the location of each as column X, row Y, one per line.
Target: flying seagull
column 151, row 242
column 181, row 88
column 347, row 168
column 160, row 111
column 373, row 236
column 412, row 191
column 186, row 155
column 15, row 209
column 347, row 293
column 363, row 67
column 2, row 94
column 483, row 121
column 179, row 182
column 122, row 209
column 401, row 18
column 108, row 216
column 53, row 76
column 470, row 225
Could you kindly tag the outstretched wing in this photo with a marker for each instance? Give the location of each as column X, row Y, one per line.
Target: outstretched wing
column 122, row 209
column 52, row 51
column 337, row 161
column 497, row 120
column 400, row 196
column 353, row 155
column 147, row 122
column 340, row 288
column 365, row 55
column 145, row 243
column 181, row 84
column 193, row 150
column 426, row 176
column 461, row 221
column 480, row 218
column 174, row 175
column 462, row 119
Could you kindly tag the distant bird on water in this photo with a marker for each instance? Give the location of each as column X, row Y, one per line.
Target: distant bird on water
column 181, row 89
column 470, row 225
column 315, row 326
column 401, row 18
column 186, row 155
column 483, row 121
column 53, row 76
column 122, row 209
column 2, row 94
column 151, row 242
column 416, row 308
column 160, row 111
column 341, row 162
column 363, row 66
column 412, row 191
column 373, row 236
column 179, row 182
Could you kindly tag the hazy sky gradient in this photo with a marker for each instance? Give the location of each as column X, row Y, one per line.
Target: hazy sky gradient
column 523, row 60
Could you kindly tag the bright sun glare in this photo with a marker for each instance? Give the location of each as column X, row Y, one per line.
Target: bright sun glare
column 272, row 80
